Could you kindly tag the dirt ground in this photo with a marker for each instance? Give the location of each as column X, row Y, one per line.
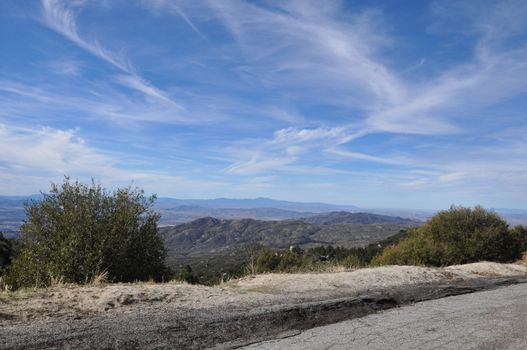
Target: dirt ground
column 76, row 302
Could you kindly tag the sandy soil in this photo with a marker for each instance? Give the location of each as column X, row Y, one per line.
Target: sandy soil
column 362, row 280
column 72, row 302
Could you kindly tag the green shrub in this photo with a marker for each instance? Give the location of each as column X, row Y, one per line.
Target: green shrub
column 313, row 259
column 352, row 262
column 455, row 236
column 78, row 231
column 417, row 248
column 520, row 235
column 267, row 261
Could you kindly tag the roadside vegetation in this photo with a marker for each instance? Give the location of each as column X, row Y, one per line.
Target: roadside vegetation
column 319, row 259
column 79, row 233
column 458, row 235
column 83, row 234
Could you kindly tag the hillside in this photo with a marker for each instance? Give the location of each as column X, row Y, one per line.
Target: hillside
column 212, row 236
column 344, row 217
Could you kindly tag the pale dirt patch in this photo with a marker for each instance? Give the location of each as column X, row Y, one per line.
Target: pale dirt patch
column 351, row 281
column 487, row 269
column 79, row 301
column 362, row 280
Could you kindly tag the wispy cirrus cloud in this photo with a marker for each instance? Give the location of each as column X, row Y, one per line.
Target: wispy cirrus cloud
column 137, row 83
column 285, row 148
column 87, row 101
column 304, row 44
column 173, row 7
column 60, row 16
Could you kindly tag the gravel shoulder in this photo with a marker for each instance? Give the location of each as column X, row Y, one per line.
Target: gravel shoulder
column 169, row 315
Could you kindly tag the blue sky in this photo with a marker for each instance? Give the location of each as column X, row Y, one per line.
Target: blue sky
column 377, row 104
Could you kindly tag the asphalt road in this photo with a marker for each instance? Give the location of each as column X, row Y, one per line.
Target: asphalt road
column 495, row 319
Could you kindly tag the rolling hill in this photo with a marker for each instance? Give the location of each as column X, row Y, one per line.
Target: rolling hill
column 210, row 236
column 344, row 217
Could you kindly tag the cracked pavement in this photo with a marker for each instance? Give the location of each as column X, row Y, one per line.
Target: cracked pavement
column 494, row 319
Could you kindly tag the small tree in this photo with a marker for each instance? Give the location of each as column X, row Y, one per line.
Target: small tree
column 78, row 231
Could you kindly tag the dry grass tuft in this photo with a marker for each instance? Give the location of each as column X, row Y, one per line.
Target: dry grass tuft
column 100, row 279
column 523, row 260
column 56, row 281
column 4, row 287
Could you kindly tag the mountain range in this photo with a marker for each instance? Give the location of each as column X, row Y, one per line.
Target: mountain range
column 175, row 211
column 253, row 203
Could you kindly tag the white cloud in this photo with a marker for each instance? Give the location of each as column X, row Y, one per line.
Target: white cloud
column 366, row 157
column 258, row 164
column 296, row 135
column 31, row 158
column 60, row 15
column 92, row 101
column 286, row 147
column 300, row 44
column 137, row 83
column 50, row 151
column 161, row 6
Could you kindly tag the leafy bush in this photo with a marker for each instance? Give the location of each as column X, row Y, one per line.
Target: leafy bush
column 78, row 231
column 455, row 236
column 416, row 249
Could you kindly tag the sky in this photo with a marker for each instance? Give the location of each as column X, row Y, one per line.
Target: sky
column 379, row 104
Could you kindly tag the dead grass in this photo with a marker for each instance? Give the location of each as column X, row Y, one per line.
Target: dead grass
column 100, row 279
